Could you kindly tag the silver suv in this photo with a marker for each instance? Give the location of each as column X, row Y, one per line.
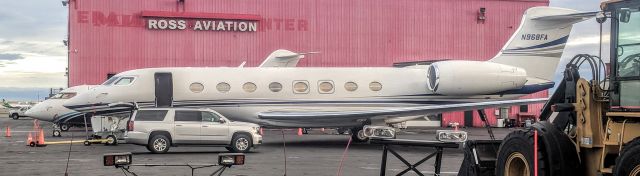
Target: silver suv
column 161, row 128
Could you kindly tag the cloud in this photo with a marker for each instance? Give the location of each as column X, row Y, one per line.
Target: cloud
column 33, row 48
column 11, row 56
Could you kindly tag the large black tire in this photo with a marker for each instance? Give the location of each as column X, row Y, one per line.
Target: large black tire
column 159, row 144
column 357, row 135
column 556, row 152
column 15, row 116
column 628, row 162
column 515, row 155
column 64, row 127
column 241, row 143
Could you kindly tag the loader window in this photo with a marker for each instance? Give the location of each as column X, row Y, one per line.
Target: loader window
column 628, row 61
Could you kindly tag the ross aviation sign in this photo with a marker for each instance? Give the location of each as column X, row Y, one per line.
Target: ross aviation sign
column 201, row 21
column 156, row 20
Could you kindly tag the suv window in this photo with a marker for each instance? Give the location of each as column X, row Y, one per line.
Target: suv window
column 188, row 116
column 151, row 115
column 210, row 117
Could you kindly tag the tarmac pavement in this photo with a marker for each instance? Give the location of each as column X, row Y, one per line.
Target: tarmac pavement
column 318, row 153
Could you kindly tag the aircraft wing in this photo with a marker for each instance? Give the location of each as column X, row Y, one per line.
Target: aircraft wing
column 407, row 111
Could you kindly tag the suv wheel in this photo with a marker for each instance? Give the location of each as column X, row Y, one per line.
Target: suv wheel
column 159, row 144
column 15, row 116
column 241, row 143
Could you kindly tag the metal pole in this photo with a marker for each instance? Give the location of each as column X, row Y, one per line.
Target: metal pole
column 438, row 160
column 535, row 152
column 383, row 166
column 86, row 128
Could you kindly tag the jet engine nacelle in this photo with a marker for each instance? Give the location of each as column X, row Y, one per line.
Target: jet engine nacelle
column 473, row 77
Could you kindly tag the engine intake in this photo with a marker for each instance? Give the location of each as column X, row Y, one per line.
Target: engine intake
column 473, row 77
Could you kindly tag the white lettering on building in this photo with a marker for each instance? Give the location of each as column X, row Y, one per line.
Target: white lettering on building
column 202, row 25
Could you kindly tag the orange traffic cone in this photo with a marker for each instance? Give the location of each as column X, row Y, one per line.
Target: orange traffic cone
column 299, row 131
column 29, row 139
column 7, row 133
column 261, row 132
column 322, row 129
column 41, row 137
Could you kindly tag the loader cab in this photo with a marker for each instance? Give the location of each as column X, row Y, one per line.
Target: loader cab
column 625, row 55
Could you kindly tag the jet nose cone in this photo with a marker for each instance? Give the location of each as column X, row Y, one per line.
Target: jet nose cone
column 38, row 112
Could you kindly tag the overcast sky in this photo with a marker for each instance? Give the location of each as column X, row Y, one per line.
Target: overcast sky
column 33, row 57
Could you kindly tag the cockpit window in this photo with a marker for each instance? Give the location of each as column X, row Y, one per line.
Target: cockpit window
column 66, row 95
column 110, row 80
column 124, row 81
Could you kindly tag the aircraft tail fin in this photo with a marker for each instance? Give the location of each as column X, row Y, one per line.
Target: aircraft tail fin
column 538, row 43
column 283, row 58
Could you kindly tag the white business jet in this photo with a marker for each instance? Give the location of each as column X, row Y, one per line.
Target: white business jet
column 51, row 110
column 278, row 94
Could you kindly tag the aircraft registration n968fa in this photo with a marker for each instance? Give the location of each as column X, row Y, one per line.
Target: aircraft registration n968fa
column 278, row 94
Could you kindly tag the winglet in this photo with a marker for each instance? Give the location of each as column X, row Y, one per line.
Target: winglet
column 283, row 58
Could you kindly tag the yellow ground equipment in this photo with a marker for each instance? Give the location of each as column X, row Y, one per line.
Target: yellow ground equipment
column 591, row 124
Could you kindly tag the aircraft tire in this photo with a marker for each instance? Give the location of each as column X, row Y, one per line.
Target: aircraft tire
column 57, row 133
column 15, row 116
column 64, row 127
column 357, row 135
column 628, row 162
column 305, row 131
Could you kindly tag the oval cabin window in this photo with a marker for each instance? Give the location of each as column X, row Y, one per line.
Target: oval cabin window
column 196, row 87
column 223, row 87
column 325, row 87
column 249, row 87
column 301, row 87
column 351, row 86
column 375, row 86
column 275, row 87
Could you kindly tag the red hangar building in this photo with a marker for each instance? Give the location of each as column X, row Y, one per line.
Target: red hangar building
column 110, row 36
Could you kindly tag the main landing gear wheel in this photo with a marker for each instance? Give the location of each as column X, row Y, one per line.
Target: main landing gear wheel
column 64, row 127
column 628, row 163
column 305, row 131
column 357, row 135
column 57, row 133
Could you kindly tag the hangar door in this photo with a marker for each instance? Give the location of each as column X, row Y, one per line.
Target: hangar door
column 164, row 89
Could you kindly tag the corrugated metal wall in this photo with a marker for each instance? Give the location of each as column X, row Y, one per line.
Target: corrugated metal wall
column 110, row 36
